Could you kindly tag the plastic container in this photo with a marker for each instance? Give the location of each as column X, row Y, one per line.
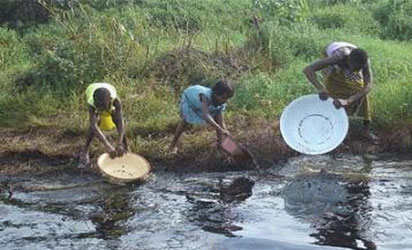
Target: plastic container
column 127, row 168
column 312, row 126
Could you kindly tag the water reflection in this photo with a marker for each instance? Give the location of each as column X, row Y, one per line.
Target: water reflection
column 346, row 228
column 338, row 209
column 214, row 206
column 355, row 205
column 115, row 209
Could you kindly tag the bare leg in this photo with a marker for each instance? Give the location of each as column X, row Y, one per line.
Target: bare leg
column 368, row 133
column 125, row 143
column 219, row 120
column 179, row 130
column 84, row 159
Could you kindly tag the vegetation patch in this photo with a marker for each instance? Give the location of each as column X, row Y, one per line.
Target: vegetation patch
column 152, row 50
column 185, row 66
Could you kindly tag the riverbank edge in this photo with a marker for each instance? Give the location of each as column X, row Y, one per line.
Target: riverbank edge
column 41, row 150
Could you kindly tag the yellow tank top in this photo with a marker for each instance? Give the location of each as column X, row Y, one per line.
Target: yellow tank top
column 106, row 122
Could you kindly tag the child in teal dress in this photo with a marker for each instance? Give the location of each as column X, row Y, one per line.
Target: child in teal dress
column 201, row 105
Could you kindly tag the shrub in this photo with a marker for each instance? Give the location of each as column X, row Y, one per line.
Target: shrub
column 286, row 11
column 392, row 103
column 348, row 17
column 12, row 49
column 21, row 13
column 300, row 41
column 395, row 16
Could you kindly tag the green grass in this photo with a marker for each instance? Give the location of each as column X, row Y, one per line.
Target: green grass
column 152, row 50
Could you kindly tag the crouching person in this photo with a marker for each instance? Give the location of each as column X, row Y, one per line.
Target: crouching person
column 201, row 105
column 105, row 114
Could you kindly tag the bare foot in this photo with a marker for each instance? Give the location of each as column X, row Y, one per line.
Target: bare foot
column 84, row 160
column 173, row 150
column 371, row 137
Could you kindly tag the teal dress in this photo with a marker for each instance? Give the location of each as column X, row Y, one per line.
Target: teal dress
column 191, row 105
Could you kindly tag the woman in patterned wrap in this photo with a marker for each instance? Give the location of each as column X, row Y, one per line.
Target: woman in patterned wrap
column 348, row 80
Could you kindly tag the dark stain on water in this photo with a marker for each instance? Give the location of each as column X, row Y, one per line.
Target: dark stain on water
column 213, row 206
column 355, row 204
column 113, row 211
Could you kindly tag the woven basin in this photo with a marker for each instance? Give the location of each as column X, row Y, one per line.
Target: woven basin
column 127, row 168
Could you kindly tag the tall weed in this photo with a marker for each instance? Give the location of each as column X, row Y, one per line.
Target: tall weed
column 351, row 18
column 395, row 16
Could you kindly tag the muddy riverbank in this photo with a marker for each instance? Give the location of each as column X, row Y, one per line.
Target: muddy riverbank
column 47, row 150
column 197, row 200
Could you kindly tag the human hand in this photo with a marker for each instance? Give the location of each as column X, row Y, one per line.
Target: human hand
column 230, row 160
column 224, row 132
column 339, row 103
column 323, row 95
column 120, row 149
column 111, row 151
column 173, row 150
column 218, row 141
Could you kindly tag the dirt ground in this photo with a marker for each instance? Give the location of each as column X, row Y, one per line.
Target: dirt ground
column 30, row 151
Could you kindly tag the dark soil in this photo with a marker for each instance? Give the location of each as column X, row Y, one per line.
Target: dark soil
column 23, row 152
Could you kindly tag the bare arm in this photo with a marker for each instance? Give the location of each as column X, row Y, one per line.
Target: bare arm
column 219, row 119
column 208, row 118
column 221, row 122
column 96, row 130
column 118, row 116
column 367, row 79
column 310, row 71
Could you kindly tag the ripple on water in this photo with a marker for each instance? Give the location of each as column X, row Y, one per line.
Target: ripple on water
column 391, row 199
column 294, row 206
column 19, row 227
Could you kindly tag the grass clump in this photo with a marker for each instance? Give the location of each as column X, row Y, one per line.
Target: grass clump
column 152, row 50
column 349, row 18
column 395, row 16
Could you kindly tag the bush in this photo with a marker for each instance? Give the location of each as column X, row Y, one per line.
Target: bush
column 348, row 17
column 269, row 94
column 151, row 50
column 395, row 16
column 81, row 53
column 300, row 41
column 12, row 49
column 63, row 69
column 390, row 60
column 21, row 13
column 392, row 103
column 181, row 16
column 287, row 12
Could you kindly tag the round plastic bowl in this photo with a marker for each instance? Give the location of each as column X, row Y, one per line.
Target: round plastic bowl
column 312, row 126
column 130, row 167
